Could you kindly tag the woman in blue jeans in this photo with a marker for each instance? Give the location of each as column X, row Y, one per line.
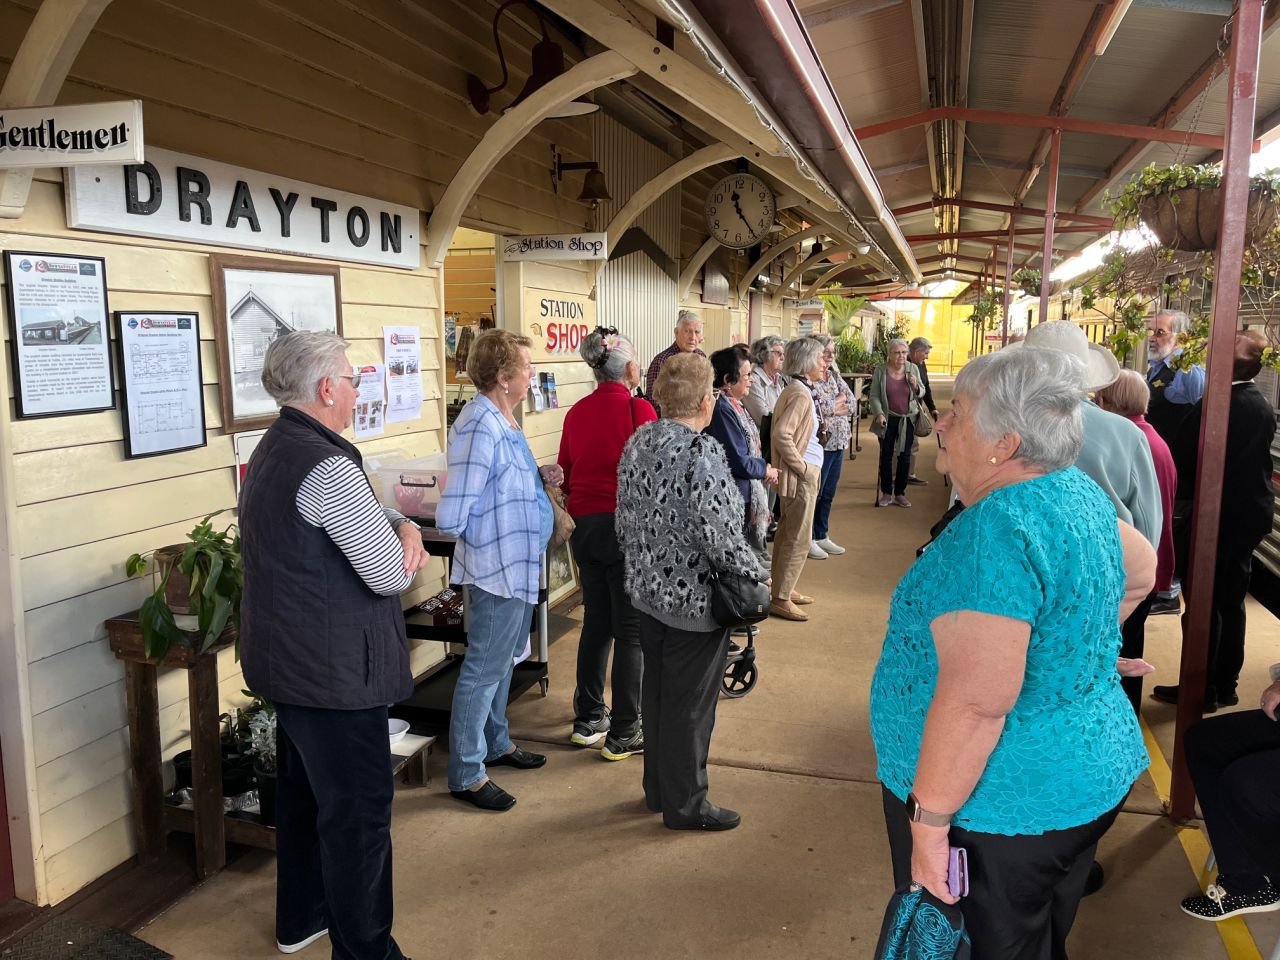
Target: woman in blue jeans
column 836, row 404
column 495, row 505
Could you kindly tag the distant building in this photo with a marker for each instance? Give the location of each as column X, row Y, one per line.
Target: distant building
column 253, row 326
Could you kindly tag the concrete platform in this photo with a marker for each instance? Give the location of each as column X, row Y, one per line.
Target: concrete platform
column 580, row 870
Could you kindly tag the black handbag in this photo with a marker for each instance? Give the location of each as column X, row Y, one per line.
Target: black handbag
column 736, row 600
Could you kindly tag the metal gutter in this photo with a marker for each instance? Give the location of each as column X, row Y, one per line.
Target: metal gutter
column 786, row 79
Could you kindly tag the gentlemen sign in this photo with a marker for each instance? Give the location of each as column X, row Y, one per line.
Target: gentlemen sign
column 95, row 133
column 557, row 322
column 557, row 246
column 176, row 197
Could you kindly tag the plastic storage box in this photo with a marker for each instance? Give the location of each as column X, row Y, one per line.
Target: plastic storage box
column 412, row 485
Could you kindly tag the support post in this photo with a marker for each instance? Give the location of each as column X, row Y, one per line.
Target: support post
column 1050, row 218
column 1008, row 283
column 1207, row 510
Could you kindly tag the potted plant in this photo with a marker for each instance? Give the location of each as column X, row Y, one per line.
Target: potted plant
column 852, row 355
column 1182, row 204
column 840, row 312
column 201, row 579
column 1029, row 280
column 262, row 747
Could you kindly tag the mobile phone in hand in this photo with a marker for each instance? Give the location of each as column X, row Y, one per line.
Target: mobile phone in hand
column 958, row 872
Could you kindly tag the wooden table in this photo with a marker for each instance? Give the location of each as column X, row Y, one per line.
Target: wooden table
column 153, row 818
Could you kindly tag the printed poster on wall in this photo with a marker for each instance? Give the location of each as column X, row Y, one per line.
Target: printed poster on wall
column 371, row 402
column 163, row 406
column 57, row 307
column 402, row 351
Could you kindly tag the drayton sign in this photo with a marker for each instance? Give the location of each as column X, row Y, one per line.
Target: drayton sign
column 175, row 197
column 68, row 136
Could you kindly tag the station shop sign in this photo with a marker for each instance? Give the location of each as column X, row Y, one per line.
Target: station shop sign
column 71, row 135
column 557, row 322
column 171, row 196
column 556, row 246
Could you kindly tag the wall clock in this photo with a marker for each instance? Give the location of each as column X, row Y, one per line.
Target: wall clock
column 740, row 210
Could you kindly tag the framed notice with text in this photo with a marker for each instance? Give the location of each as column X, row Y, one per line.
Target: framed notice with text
column 255, row 301
column 160, row 376
column 57, row 309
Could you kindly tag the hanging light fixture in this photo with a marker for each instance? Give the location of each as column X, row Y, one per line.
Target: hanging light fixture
column 815, row 250
column 548, row 63
column 594, row 188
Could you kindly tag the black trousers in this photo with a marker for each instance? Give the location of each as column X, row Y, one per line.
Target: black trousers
column 1133, row 642
column 682, row 673
column 1234, row 761
column 1232, row 570
column 333, row 830
column 1023, row 891
column 608, row 620
column 891, row 480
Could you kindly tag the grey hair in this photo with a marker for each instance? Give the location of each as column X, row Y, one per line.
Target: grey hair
column 823, row 339
column 1032, row 392
column 296, row 362
column 919, row 343
column 802, row 356
column 687, row 316
column 896, row 341
column 1178, row 321
column 760, row 349
column 607, row 362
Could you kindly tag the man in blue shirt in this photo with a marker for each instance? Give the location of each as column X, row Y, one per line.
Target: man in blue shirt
column 1174, row 394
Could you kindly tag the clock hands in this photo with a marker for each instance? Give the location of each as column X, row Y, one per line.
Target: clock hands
column 737, row 206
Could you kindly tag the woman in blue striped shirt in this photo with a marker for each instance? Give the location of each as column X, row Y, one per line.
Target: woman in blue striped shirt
column 494, row 504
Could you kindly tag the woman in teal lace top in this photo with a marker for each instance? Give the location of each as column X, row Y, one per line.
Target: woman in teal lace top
column 999, row 722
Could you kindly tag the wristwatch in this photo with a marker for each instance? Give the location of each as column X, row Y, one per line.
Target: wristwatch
column 918, row 814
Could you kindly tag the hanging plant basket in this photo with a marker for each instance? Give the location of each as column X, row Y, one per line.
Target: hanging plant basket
column 1188, row 219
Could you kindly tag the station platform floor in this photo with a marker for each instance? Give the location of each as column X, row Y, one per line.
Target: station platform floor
column 579, row 869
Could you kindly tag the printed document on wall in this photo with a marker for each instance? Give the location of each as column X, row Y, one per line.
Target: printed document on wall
column 402, row 351
column 371, row 401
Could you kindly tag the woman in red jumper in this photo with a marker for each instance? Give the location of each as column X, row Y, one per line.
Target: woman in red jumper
column 595, row 431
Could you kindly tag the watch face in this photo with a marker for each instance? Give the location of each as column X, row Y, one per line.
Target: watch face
column 740, row 210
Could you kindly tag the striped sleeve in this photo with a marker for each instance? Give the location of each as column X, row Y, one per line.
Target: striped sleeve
column 336, row 497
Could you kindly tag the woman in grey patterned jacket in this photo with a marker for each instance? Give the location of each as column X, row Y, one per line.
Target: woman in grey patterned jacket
column 680, row 517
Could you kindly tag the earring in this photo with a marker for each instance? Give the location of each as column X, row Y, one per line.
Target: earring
column 329, row 402
column 991, row 460
column 506, row 389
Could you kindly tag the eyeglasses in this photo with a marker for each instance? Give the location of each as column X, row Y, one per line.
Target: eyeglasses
column 353, row 377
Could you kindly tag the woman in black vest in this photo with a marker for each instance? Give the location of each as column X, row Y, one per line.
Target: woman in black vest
column 322, row 637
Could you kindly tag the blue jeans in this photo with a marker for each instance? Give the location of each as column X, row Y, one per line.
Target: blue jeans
column 497, row 630
column 832, row 463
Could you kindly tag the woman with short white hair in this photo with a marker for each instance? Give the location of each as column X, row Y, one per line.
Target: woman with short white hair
column 895, row 403
column 996, row 709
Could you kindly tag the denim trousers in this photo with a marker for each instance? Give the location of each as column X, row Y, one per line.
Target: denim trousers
column 333, row 830
column 608, row 620
column 832, row 463
column 891, row 482
column 497, row 629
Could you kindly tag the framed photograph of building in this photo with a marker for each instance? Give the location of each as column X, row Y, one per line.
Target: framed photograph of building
column 57, row 310
column 254, row 301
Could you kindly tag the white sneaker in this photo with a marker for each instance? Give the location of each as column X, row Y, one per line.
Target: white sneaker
column 816, row 552
column 301, row 944
column 830, row 546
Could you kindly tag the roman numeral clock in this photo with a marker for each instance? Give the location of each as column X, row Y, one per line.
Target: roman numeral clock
column 740, row 209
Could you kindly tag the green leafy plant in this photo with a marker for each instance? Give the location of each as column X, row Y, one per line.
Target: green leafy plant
column 986, row 312
column 262, row 736
column 1029, row 280
column 210, row 560
column 841, row 311
column 1154, row 180
column 852, row 355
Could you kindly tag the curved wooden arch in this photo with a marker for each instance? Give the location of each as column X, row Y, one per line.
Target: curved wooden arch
column 799, row 270
column 598, row 71
column 838, row 270
column 39, row 69
column 777, row 250
column 681, row 170
column 709, row 246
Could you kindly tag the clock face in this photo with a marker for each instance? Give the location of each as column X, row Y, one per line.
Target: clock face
column 740, row 210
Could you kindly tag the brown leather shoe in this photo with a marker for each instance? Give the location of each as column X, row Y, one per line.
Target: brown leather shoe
column 787, row 610
column 799, row 599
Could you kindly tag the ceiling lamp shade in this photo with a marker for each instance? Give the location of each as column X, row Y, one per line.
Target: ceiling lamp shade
column 548, row 63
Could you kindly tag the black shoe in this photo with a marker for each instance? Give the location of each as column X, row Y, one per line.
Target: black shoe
column 1218, row 903
column 1165, row 605
column 716, row 818
column 1095, row 881
column 520, row 759
column 619, row 748
column 917, row 482
column 734, row 649
column 1165, row 694
column 489, row 797
column 1212, row 701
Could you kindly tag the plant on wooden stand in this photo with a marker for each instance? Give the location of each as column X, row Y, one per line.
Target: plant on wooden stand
column 262, row 747
column 210, row 563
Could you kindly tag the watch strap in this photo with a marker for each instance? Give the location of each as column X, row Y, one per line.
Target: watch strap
column 919, row 814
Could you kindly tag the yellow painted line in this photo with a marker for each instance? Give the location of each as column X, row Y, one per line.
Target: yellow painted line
column 1234, row 932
